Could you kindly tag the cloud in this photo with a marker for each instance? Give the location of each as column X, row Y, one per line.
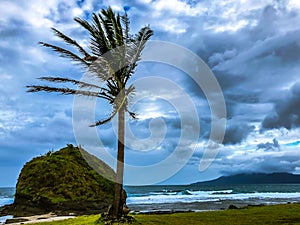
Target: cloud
column 237, row 133
column 269, row 146
column 263, row 163
column 177, row 8
column 271, row 157
column 286, row 112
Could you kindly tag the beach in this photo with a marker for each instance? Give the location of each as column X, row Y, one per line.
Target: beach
column 50, row 217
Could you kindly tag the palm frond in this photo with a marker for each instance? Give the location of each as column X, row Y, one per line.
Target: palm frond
column 85, row 25
column 100, row 44
column 68, row 91
column 101, row 69
column 70, row 41
column 64, row 91
column 135, row 49
column 118, row 30
column 80, row 84
column 65, row 53
column 130, row 90
column 95, row 41
column 126, row 29
column 111, row 84
column 101, row 122
column 144, row 34
column 132, row 114
column 106, row 18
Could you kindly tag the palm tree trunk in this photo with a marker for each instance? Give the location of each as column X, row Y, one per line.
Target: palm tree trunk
column 118, row 204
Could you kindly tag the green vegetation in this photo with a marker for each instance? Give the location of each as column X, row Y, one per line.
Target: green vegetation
column 81, row 220
column 99, row 166
column 63, row 176
column 273, row 215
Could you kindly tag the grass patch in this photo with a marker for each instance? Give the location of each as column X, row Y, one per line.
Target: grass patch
column 276, row 214
column 80, row 220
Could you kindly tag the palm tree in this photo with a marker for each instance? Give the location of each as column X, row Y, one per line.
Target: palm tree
column 112, row 58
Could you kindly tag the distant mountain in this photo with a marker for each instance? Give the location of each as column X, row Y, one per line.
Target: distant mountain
column 258, row 178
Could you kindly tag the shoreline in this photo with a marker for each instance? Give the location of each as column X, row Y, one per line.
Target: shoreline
column 163, row 210
column 205, row 205
column 50, row 217
column 247, row 215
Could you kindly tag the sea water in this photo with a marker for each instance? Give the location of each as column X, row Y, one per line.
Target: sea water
column 201, row 198
column 6, row 197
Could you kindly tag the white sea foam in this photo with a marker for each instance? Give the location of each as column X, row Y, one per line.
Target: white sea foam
column 208, row 196
column 4, row 218
column 6, row 201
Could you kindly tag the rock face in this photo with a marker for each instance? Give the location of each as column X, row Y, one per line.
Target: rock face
column 64, row 183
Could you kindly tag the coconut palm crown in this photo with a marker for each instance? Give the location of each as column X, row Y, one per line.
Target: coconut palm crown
column 111, row 59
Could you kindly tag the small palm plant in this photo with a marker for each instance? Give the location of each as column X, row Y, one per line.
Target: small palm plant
column 112, row 58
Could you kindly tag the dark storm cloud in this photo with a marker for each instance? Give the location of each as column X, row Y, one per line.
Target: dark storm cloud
column 261, row 163
column 274, row 146
column 286, row 112
column 242, row 96
column 237, row 133
column 237, row 99
column 250, row 64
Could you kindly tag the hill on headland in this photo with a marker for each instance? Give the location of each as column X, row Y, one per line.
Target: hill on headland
column 63, row 182
column 256, row 178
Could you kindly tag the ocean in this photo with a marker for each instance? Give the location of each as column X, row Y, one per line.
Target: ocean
column 6, row 197
column 203, row 198
column 195, row 198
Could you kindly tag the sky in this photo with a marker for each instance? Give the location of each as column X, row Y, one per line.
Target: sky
column 251, row 47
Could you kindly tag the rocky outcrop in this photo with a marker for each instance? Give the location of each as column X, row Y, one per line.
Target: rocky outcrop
column 64, row 183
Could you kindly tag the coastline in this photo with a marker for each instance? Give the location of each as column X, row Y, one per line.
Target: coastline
column 274, row 214
column 157, row 209
column 157, row 200
column 50, row 217
column 203, row 206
